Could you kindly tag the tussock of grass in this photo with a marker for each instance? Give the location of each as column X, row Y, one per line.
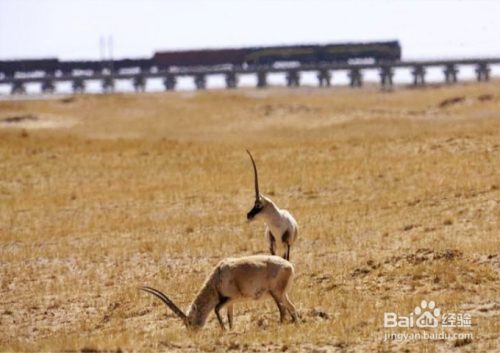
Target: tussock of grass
column 396, row 195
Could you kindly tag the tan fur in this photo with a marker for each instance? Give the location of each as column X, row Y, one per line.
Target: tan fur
column 241, row 279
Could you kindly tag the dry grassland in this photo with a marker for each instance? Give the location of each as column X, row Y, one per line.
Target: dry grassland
column 397, row 195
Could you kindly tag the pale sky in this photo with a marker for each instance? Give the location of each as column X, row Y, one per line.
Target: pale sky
column 71, row 29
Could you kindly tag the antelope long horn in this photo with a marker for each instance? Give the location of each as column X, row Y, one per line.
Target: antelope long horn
column 167, row 301
column 256, row 176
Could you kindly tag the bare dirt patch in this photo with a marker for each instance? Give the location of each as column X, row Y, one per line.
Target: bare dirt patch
column 451, row 101
column 33, row 121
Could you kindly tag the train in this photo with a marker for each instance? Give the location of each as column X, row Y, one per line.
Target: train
column 345, row 53
column 259, row 56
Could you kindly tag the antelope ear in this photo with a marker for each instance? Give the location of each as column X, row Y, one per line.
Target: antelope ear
column 264, row 199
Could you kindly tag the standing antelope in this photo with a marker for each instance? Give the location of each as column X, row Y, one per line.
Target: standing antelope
column 281, row 228
column 234, row 280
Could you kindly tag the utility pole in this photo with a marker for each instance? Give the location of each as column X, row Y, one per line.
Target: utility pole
column 110, row 48
column 102, row 45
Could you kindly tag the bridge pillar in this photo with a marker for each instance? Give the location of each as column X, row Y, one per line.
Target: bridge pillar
column 139, row 83
column 18, row 88
column 324, row 78
column 48, row 86
column 200, row 81
column 231, row 80
column 483, row 72
column 356, row 77
column 108, row 84
column 293, row 78
column 450, row 73
column 418, row 75
column 78, row 85
column 262, row 79
column 169, row 82
column 386, row 75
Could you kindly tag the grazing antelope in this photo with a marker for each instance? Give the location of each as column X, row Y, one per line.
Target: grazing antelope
column 282, row 228
column 234, row 280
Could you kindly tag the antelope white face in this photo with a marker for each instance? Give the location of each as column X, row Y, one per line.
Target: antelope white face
column 259, row 207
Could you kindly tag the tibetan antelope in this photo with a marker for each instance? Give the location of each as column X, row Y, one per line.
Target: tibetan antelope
column 234, row 280
column 282, row 228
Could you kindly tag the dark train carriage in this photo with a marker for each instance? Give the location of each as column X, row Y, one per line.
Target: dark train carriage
column 304, row 54
column 204, row 57
column 10, row 67
column 68, row 67
column 378, row 51
column 141, row 64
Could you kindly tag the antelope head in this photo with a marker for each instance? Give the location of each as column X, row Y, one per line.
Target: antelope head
column 185, row 319
column 260, row 201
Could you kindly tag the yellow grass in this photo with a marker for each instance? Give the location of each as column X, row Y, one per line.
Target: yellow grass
column 398, row 200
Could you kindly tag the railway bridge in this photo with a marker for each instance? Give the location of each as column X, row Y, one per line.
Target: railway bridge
column 324, row 73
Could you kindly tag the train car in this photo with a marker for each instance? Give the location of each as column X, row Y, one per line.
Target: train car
column 93, row 66
column 378, row 51
column 98, row 66
column 141, row 64
column 193, row 58
column 304, row 54
column 10, row 67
